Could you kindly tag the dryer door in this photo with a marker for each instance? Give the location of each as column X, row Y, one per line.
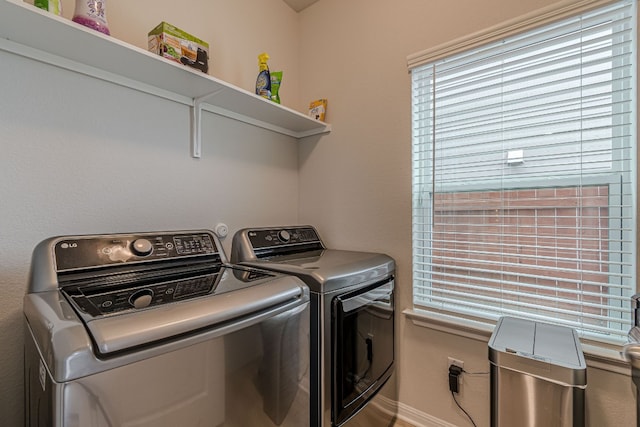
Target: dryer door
column 363, row 338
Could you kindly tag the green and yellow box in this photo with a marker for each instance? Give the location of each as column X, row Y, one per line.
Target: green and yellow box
column 172, row 43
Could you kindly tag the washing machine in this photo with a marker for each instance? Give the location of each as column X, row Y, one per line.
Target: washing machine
column 352, row 321
column 158, row 329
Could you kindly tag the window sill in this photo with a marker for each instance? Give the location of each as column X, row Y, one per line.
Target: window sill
column 601, row 356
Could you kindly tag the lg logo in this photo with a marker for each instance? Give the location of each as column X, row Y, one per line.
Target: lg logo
column 66, row 245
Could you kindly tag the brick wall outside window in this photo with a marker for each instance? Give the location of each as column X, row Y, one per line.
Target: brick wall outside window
column 554, row 238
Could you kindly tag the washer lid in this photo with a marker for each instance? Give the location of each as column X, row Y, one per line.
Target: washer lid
column 230, row 301
column 74, row 344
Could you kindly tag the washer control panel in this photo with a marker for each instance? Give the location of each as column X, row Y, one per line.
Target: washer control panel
column 96, row 251
column 109, row 302
column 269, row 238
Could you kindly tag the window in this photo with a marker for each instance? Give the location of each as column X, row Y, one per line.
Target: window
column 524, row 176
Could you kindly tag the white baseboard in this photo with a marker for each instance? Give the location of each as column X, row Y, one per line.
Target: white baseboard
column 409, row 414
column 419, row 419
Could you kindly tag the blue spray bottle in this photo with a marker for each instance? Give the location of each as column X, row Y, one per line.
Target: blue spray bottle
column 263, row 82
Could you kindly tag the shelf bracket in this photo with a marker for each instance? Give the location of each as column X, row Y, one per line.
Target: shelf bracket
column 196, row 123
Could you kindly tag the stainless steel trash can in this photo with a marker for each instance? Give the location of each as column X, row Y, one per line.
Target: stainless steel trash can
column 538, row 375
column 631, row 350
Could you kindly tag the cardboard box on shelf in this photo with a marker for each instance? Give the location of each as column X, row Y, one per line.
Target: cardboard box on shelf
column 177, row 45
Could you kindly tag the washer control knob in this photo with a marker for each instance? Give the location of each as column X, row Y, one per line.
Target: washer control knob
column 142, row 247
column 284, row 236
column 141, row 298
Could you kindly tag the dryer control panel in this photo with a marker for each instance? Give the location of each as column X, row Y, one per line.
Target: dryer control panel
column 266, row 242
column 265, row 238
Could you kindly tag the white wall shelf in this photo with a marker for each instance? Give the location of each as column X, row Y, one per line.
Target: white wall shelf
column 33, row 33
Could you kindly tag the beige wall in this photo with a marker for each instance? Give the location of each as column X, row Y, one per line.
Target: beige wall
column 355, row 184
column 70, row 144
column 78, row 155
column 237, row 32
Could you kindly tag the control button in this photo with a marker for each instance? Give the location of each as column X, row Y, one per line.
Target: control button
column 222, row 230
column 141, row 299
column 284, row 236
column 142, row 247
column 106, row 304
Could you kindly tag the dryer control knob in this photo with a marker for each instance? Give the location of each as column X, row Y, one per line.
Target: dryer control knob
column 141, row 299
column 141, row 247
column 284, row 236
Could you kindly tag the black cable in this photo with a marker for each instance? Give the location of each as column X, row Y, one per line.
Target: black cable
column 462, row 409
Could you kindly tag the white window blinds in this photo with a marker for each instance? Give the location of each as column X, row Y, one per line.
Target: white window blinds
column 524, row 176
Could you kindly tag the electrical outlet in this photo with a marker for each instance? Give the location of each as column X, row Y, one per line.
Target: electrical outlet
column 455, row 362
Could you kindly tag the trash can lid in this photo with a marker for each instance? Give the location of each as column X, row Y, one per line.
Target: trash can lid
column 538, row 348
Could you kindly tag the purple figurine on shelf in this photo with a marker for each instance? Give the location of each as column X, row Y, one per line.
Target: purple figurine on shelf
column 92, row 14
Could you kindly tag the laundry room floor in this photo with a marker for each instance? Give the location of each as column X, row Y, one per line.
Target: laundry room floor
column 400, row 423
column 371, row 420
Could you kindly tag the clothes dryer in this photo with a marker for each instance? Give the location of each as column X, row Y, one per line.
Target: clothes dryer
column 352, row 321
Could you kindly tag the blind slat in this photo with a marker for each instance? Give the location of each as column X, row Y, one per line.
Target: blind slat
column 571, row 306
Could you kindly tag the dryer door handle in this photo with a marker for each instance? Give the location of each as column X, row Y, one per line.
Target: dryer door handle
column 381, row 295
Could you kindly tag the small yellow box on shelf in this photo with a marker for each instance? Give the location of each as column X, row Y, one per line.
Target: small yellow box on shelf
column 317, row 109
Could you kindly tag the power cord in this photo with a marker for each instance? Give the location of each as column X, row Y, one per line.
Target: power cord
column 462, row 409
column 454, row 384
